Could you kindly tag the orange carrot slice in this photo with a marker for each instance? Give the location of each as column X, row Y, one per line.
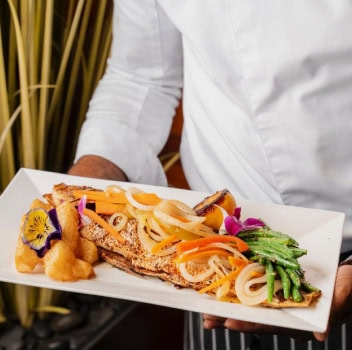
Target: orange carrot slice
column 118, row 197
column 146, row 198
column 160, row 245
column 110, row 208
column 201, row 242
column 255, row 274
column 101, row 222
column 231, row 276
column 235, row 261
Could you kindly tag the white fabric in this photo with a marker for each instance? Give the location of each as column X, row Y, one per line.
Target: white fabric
column 267, row 95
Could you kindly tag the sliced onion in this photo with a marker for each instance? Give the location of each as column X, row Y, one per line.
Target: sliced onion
column 222, row 229
column 129, row 195
column 154, row 225
column 229, row 248
column 166, row 211
column 148, row 243
column 194, row 277
column 248, row 286
column 114, row 189
column 177, row 208
column 121, row 223
column 131, row 211
column 143, row 236
column 223, row 290
column 244, row 281
column 153, row 235
column 166, row 251
column 215, row 262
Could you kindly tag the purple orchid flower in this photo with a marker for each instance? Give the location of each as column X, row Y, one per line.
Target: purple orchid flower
column 234, row 225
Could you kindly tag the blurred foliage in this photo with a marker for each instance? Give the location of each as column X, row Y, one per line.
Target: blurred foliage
column 52, row 55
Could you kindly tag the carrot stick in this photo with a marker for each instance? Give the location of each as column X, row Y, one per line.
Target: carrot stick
column 147, row 198
column 255, row 274
column 118, row 197
column 201, row 242
column 235, row 261
column 101, row 222
column 164, row 242
column 108, row 208
column 231, row 276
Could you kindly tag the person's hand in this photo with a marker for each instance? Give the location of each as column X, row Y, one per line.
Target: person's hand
column 341, row 311
column 97, row 167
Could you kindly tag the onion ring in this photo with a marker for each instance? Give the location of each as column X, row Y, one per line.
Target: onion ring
column 122, row 222
column 129, row 195
column 244, row 282
column 194, row 277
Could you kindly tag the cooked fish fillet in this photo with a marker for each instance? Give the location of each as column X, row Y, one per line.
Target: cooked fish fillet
column 127, row 265
column 62, row 192
column 129, row 255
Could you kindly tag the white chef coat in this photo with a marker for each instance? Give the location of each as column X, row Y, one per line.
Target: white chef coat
column 267, row 96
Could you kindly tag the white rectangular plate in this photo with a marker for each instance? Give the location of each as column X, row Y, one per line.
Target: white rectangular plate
column 316, row 230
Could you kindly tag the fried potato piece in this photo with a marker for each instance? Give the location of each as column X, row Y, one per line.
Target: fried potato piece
column 68, row 219
column 61, row 264
column 86, row 250
column 26, row 259
column 68, row 259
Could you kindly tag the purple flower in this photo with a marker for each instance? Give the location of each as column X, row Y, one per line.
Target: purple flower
column 83, row 219
column 234, row 225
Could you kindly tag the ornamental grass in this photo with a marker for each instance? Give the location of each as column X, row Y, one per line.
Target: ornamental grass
column 52, row 55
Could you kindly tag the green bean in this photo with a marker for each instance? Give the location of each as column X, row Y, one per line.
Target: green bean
column 270, row 279
column 296, row 294
column 280, row 249
column 276, row 258
column 286, row 281
column 273, row 252
column 294, row 276
column 266, row 232
column 281, row 240
column 298, row 252
column 309, row 287
column 300, row 273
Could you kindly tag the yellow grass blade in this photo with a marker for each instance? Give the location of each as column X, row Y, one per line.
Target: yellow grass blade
column 45, row 79
column 27, row 132
column 65, row 57
column 25, row 298
column 6, row 129
column 47, row 299
column 7, row 158
column 40, row 70
column 72, row 83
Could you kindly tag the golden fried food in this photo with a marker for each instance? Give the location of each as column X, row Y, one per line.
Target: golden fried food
column 87, row 251
column 68, row 219
column 26, row 259
column 68, row 258
column 60, row 263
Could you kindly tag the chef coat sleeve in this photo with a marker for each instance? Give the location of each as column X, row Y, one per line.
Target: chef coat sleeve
column 131, row 111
